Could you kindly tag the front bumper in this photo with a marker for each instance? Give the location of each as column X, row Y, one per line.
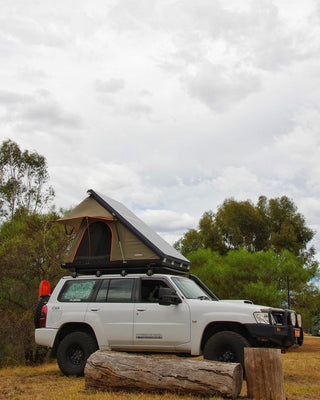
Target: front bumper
column 283, row 336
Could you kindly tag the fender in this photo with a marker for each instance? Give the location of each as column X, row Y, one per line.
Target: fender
column 74, row 327
column 205, row 314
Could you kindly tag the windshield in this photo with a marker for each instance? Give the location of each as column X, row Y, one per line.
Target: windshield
column 190, row 289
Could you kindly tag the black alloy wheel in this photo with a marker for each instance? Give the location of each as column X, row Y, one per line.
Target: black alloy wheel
column 226, row 346
column 73, row 352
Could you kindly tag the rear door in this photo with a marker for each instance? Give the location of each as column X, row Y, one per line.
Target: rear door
column 113, row 310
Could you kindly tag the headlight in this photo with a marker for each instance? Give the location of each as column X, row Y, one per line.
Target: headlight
column 293, row 318
column 261, row 317
column 299, row 320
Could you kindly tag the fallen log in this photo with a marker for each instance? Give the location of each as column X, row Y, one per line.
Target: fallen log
column 107, row 370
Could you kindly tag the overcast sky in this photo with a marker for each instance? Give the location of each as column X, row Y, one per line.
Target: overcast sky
column 169, row 106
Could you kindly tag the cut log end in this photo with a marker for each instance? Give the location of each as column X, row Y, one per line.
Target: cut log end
column 264, row 374
column 107, row 370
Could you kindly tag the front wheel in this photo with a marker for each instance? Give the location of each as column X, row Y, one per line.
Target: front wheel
column 226, row 346
column 73, row 352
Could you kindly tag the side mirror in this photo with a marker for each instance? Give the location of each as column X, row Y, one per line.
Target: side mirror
column 167, row 296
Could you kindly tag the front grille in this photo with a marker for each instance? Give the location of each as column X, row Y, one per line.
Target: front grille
column 280, row 317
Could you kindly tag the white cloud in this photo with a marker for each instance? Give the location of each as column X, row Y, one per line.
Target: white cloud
column 168, row 106
column 167, row 220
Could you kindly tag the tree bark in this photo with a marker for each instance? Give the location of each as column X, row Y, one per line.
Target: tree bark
column 114, row 370
column 264, row 374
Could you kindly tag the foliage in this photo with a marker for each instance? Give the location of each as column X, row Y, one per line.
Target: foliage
column 249, row 251
column 271, row 224
column 24, row 263
column 315, row 330
column 22, row 179
column 260, row 276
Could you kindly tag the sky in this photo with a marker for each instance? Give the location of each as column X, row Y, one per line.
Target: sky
column 168, row 106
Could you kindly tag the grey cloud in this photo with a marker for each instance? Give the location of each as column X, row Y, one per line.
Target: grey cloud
column 8, row 98
column 49, row 115
column 120, row 107
column 255, row 35
column 219, row 87
column 137, row 109
column 29, row 30
column 31, row 74
column 126, row 15
column 109, row 86
column 37, row 111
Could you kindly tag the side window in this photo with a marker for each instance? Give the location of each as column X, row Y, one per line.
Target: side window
column 120, row 291
column 103, row 291
column 116, row 291
column 77, row 290
column 150, row 290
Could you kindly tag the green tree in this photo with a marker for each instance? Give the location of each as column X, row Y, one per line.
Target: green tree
column 25, row 261
column 250, row 251
column 286, row 226
column 241, row 225
column 315, row 330
column 257, row 276
column 307, row 302
column 23, row 176
column 270, row 224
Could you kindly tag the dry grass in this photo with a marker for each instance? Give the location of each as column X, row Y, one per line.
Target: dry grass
column 301, row 373
column 47, row 382
column 301, row 369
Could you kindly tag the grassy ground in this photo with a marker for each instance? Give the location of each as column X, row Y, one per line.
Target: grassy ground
column 301, row 369
column 301, row 374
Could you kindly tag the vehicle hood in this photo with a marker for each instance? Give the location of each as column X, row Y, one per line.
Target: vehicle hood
column 237, row 301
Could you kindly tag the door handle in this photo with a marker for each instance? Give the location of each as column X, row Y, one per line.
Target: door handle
column 95, row 309
column 141, row 309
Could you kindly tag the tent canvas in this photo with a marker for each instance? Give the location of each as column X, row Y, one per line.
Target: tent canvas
column 109, row 237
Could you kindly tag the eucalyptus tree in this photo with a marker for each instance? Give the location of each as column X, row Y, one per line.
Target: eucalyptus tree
column 23, row 176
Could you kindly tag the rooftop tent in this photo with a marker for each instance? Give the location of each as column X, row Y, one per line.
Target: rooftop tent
column 109, row 237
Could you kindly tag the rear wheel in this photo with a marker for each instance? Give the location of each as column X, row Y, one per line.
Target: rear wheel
column 226, row 346
column 73, row 352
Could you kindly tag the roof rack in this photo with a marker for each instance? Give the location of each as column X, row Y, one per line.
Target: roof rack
column 148, row 267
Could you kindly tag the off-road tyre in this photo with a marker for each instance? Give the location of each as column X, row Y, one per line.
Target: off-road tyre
column 73, row 352
column 226, row 346
column 37, row 311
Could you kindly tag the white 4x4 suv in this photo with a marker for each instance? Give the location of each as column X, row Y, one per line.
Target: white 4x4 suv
column 156, row 313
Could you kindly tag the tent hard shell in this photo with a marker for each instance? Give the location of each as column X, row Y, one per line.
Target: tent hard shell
column 108, row 238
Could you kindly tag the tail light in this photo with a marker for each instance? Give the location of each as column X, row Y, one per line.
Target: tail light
column 43, row 317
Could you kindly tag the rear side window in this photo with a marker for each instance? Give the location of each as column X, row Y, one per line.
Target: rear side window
column 116, row 291
column 77, row 290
